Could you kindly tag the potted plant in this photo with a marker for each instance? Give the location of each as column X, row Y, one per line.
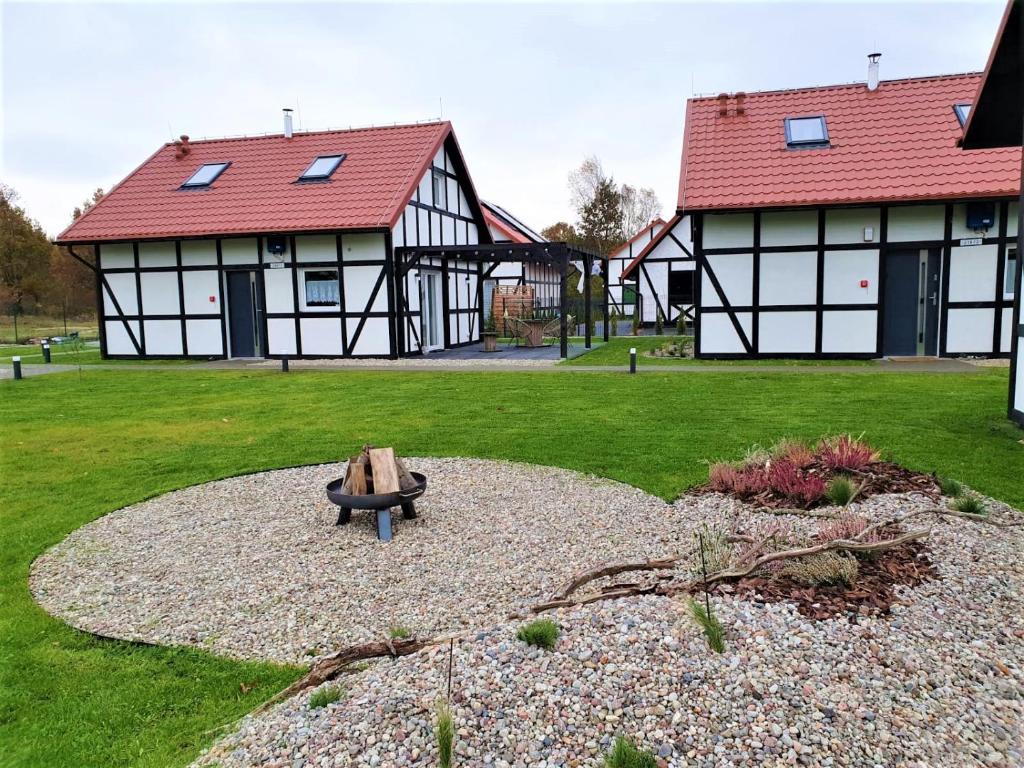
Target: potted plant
column 490, row 335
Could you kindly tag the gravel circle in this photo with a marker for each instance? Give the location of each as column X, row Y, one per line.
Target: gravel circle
column 937, row 683
column 254, row 567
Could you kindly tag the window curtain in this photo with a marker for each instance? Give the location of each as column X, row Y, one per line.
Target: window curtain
column 322, row 292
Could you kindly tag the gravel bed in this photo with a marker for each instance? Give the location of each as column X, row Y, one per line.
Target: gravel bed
column 254, row 566
column 936, row 683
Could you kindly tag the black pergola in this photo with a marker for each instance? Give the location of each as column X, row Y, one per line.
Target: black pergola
column 557, row 256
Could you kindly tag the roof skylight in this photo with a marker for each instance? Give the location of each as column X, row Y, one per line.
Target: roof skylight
column 963, row 111
column 205, row 175
column 806, row 132
column 322, row 168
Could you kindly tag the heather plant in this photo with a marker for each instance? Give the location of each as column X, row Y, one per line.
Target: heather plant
column 848, row 526
column 625, row 754
column 765, row 535
column 840, row 490
column 712, row 627
column 714, row 552
column 822, row 569
column 444, row 733
column 799, row 487
column 542, row 633
column 399, row 633
column 969, row 504
column 756, row 456
column 793, row 451
column 845, row 453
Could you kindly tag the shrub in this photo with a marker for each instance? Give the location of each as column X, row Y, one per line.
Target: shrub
column 444, row 733
column 847, row 526
column 625, row 754
column 822, row 569
column 681, row 326
column 712, row 627
column 636, row 323
column 845, row 452
column 399, row 633
column 659, row 324
column 542, row 633
column 793, row 451
column 722, row 477
column 969, row 504
column 788, row 480
column 840, row 490
column 717, row 552
column 613, row 324
column 949, row 487
column 324, row 696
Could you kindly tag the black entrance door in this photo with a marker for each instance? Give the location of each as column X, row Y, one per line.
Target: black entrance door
column 911, row 303
column 242, row 314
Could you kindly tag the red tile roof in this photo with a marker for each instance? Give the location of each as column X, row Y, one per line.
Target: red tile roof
column 654, row 222
column 257, row 192
column 511, row 234
column 898, row 142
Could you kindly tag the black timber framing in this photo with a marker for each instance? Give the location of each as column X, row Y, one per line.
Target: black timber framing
column 822, row 248
column 555, row 255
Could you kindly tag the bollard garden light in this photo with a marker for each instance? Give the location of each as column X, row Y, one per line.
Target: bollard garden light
column 632, row 359
column 16, row 364
column 46, row 353
column 284, row 365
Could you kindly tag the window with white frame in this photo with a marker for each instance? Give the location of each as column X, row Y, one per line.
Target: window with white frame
column 1010, row 273
column 440, row 189
column 321, row 288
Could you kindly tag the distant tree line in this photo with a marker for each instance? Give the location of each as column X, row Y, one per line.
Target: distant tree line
column 36, row 276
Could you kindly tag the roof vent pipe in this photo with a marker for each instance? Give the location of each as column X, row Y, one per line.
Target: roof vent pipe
column 873, row 71
column 287, row 123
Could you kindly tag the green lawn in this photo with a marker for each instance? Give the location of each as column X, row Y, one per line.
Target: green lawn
column 76, row 447
column 616, row 352
column 71, row 354
column 38, row 326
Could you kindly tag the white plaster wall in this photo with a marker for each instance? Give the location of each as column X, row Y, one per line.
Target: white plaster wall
column 277, row 286
column 398, row 233
column 972, row 273
column 472, row 234
column 843, row 272
column 735, row 274
column 729, row 230
column 123, row 287
column 199, row 288
column 158, row 254
column 916, row 222
column 787, row 278
column 780, row 332
column 362, row 247
column 718, row 336
column 1018, row 393
column 374, row 339
column 117, row 256
column 203, row 337
column 281, row 336
column 844, row 226
column 316, row 248
column 198, row 252
column 969, row 330
column 959, row 229
column 239, row 251
column 789, row 228
column 423, row 221
column 1011, row 223
column 163, row 337
column 658, row 272
column 118, row 341
column 358, row 285
column 320, row 336
column 849, row 332
column 1006, row 331
column 159, row 294
column 447, row 230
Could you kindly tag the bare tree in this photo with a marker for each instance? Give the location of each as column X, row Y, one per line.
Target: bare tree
column 639, row 207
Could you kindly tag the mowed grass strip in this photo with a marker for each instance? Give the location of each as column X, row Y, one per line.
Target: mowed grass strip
column 75, row 447
column 616, row 352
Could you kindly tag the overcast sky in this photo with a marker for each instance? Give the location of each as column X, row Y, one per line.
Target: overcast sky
column 90, row 90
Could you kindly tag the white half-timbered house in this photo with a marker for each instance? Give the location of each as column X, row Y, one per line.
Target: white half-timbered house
column 284, row 246
column 622, row 293
column 842, row 221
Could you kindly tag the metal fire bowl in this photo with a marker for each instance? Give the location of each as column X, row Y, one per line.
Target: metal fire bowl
column 376, row 500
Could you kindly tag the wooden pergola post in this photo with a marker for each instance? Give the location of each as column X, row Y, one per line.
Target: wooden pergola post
column 588, row 267
column 563, row 302
column 604, row 303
